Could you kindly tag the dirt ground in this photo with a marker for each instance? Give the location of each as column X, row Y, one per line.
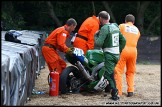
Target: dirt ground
column 147, row 91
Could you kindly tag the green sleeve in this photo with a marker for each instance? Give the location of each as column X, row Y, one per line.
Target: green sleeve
column 122, row 42
column 100, row 37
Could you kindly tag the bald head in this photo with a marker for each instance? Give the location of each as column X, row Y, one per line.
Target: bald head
column 104, row 15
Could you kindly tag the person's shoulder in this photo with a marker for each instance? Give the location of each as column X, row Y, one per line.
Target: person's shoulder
column 93, row 18
column 122, row 24
column 61, row 29
column 115, row 24
column 58, row 28
column 105, row 26
column 90, row 17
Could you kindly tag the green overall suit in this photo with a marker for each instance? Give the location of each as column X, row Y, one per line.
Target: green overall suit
column 112, row 42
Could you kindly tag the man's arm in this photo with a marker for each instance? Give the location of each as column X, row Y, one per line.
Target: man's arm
column 61, row 42
column 122, row 42
column 101, row 36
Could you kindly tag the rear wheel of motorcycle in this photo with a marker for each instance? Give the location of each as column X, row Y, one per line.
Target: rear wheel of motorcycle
column 68, row 75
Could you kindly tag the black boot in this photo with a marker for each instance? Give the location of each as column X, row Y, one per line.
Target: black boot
column 130, row 94
column 114, row 94
column 107, row 89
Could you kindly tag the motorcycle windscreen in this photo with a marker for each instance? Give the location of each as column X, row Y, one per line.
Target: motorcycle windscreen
column 78, row 55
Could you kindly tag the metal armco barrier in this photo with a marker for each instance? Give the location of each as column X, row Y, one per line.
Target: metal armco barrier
column 21, row 64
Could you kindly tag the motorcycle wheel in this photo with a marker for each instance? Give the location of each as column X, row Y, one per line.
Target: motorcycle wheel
column 69, row 80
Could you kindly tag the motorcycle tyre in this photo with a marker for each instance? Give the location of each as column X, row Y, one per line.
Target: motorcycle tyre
column 64, row 78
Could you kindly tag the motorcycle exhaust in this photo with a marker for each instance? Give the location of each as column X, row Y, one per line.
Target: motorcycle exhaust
column 84, row 72
column 95, row 70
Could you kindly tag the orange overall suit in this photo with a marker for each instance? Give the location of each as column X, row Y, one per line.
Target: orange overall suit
column 85, row 36
column 128, row 57
column 56, row 40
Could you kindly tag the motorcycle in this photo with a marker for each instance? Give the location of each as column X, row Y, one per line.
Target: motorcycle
column 86, row 72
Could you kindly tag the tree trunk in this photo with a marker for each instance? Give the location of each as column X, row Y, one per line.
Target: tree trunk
column 108, row 9
column 93, row 7
column 152, row 23
column 52, row 14
column 140, row 14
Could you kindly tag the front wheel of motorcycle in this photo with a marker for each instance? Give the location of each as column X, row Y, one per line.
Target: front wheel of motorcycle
column 69, row 80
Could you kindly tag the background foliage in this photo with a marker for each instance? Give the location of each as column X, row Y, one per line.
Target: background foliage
column 48, row 15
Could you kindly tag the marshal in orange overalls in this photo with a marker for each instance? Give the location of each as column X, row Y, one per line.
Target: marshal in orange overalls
column 87, row 30
column 128, row 57
column 57, row 39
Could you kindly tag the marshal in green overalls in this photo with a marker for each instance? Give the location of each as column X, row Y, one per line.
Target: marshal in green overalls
column 112, row 42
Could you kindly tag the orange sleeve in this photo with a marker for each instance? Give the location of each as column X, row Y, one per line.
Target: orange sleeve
column 61, row 41
column 93, row 30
